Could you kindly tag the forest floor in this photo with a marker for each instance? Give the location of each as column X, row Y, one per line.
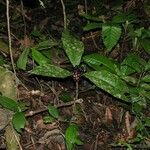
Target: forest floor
column 102, row 119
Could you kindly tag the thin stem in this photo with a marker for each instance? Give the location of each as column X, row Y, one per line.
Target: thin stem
column 85, row 3
column 77, row 90
column 64, row 13
column 9, row 38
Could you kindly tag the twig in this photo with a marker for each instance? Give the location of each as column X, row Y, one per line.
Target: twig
column 9, row 38
column 64, row 13
column 77, row 90
column 32, row 113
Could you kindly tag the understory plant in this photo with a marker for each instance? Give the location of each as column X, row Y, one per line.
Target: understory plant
column 128, row 80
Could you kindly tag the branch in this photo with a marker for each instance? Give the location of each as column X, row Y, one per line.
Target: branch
column 32, row 113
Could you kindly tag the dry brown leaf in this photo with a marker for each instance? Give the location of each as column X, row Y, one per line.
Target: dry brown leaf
column 108, row 115
column 26, row 42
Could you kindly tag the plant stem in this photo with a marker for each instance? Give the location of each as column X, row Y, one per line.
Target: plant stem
column 64, row 13
column 9, row 39
column 77, row 90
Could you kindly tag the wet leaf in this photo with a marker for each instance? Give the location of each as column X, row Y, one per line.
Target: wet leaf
column 97, row 59
column 109, row 82
column 73, row 47
column 50, row 71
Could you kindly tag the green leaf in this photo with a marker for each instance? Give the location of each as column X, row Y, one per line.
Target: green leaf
column 46, row 44
column 23, row 58
column 110, row 35
column 138, row 32
column 50, row 71
column 39, row 57
column 146, row 78
column 147, row 66
column 145, row 86
column 2, row 61
column 138, row 103
column 53, row 111
column 145, row 43
column 48, row 119
column 131, row 64
column 145, row 94
column 130, row 79
column 137, row 108
column 9, row 103
column 92, row 18
column 91, row 26
column 146, row 34
column 123, row 17
column 109, row 82
column 73, row 48
column 72, row 137
column 19, row 121
column 97, row 59
column 147, row 122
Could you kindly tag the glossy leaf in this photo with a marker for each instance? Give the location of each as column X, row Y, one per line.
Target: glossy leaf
column 50, row 71
column 110, row 35
column 131, row 64
column 19, row 121
column 72, row 137
column 109, row 82
column 39, row 57
column 97, row 59
column 53, row 111
column 23, row 58
column 9, row 103
column 73, row 48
